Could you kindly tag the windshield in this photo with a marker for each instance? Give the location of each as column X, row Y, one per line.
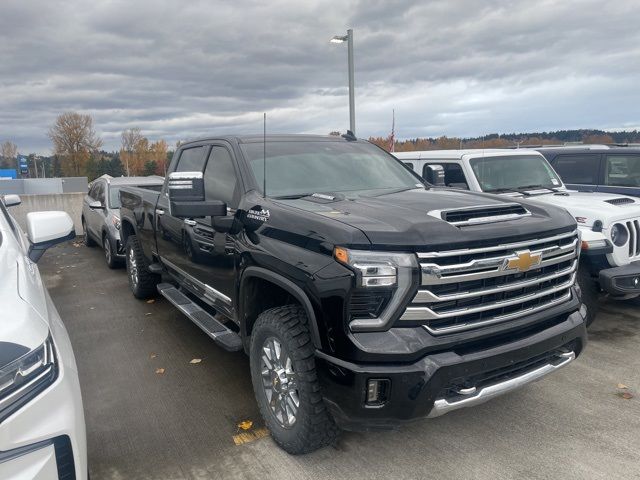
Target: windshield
column 114, row 193
column 350, row 168
column 514, row 173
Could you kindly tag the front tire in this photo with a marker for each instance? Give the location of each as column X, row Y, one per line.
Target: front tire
column 88, row 241
column 285, row 381
column 141, row 281
column 109, row 255
column 590, row 293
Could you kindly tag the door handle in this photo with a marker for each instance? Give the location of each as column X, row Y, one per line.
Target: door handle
column 188, row 221
column 159, row 211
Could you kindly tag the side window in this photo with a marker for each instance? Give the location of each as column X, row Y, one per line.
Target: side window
column 453, row 173
column 191, row 160
column 622, row 170
column 578, row 169
column 220, row 182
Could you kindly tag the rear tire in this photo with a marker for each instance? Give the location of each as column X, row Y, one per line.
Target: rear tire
column 590, row 293
column 141, row 281
column 88, row 241
column 300, row 428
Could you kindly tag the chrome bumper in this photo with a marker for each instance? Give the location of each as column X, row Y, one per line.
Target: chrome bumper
column 473, row 397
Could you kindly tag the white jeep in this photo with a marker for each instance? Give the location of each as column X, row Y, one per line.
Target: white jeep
column 609, row 223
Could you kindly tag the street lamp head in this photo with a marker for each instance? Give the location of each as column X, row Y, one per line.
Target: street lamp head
column 339, row 39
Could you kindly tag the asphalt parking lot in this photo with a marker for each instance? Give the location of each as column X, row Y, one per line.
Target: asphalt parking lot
column 151, row 414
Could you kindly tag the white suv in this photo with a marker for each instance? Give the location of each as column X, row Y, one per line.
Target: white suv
column 42, row 429
column 609, row 223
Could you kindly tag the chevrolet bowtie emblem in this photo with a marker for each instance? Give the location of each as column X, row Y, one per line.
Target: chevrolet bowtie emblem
column 522, row 261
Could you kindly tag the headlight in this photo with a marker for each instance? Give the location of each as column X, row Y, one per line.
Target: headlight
column 619, row 234
column 26, row 377
column 376, row 271
column 116, row 222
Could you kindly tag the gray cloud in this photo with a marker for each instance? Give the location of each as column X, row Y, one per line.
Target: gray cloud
column 182, row 69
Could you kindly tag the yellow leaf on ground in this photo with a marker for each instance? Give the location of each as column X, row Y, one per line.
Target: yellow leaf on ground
column 622, row 386
column 151, row 301
column 153, row 355
column 245, row 425
column 196, row 360
column 159, row 371
column 246, row 437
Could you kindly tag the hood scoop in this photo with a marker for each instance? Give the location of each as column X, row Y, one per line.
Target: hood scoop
column 620, row 201
column 481, row 214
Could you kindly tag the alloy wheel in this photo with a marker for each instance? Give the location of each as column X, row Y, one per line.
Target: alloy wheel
column 133, row 268
column 279, row 382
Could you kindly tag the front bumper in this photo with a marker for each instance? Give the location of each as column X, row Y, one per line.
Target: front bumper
column 49, row 430
column 116, row 244
column 432, row 386
column 623, row 280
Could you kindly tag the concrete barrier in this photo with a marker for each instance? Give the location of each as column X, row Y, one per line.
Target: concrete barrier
column 67, row 202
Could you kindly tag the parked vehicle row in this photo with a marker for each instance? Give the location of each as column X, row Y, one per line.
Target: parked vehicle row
column 101, row 213
column 42, row 429
column 364, row 297
column 609, row 222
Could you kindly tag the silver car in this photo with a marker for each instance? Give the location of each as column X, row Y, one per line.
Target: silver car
column 101, row 213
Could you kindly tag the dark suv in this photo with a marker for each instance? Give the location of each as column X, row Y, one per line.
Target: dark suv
column 597, row 168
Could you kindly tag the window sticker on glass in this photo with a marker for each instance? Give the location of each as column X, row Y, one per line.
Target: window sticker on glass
column 555, row 181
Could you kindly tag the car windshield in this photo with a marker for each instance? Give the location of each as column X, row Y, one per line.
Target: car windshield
column 295, row 169
column 114, row 197
column 114, row 193
column 517, row 172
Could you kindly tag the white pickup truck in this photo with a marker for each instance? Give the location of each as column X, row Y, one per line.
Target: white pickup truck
column 609, row 223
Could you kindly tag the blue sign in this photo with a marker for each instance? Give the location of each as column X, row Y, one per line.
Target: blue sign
column 8, row 173
column 24, row 167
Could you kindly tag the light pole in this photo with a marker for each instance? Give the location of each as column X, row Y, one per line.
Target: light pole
column 352, row 101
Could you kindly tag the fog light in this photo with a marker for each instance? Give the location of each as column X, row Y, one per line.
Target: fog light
column 628, row 283
column 377, row 391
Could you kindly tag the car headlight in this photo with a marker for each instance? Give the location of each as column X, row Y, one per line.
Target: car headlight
column 24, row 378
column 619, row 234
column 377, row 271
column 116, row 222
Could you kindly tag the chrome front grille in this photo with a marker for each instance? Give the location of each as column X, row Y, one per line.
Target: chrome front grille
column 467, row 289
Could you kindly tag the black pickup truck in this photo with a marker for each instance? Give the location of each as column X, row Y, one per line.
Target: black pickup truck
column 364, row 296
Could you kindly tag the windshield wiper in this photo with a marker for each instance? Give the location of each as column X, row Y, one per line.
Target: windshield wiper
column 293, row 196
column 507, row 190
column 532, row 187
column 296, row 196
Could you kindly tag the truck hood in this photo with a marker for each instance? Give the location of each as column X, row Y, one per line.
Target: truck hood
column 24, row 325
column 402, row 220
column 587, row 207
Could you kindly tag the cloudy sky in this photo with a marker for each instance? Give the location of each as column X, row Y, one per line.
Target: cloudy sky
column 183, row 68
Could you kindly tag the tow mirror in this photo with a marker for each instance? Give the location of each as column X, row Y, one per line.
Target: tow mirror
column 435, row 175
column 11, row 200
column 96, row 205
column 186, row 197
column 46, row 229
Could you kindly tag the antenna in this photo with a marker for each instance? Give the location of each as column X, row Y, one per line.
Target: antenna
column 264, row 155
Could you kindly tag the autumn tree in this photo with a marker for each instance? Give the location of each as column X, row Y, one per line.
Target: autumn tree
column 130, row 139
column 74, row 140
column 8, row 154
column 158, row 154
